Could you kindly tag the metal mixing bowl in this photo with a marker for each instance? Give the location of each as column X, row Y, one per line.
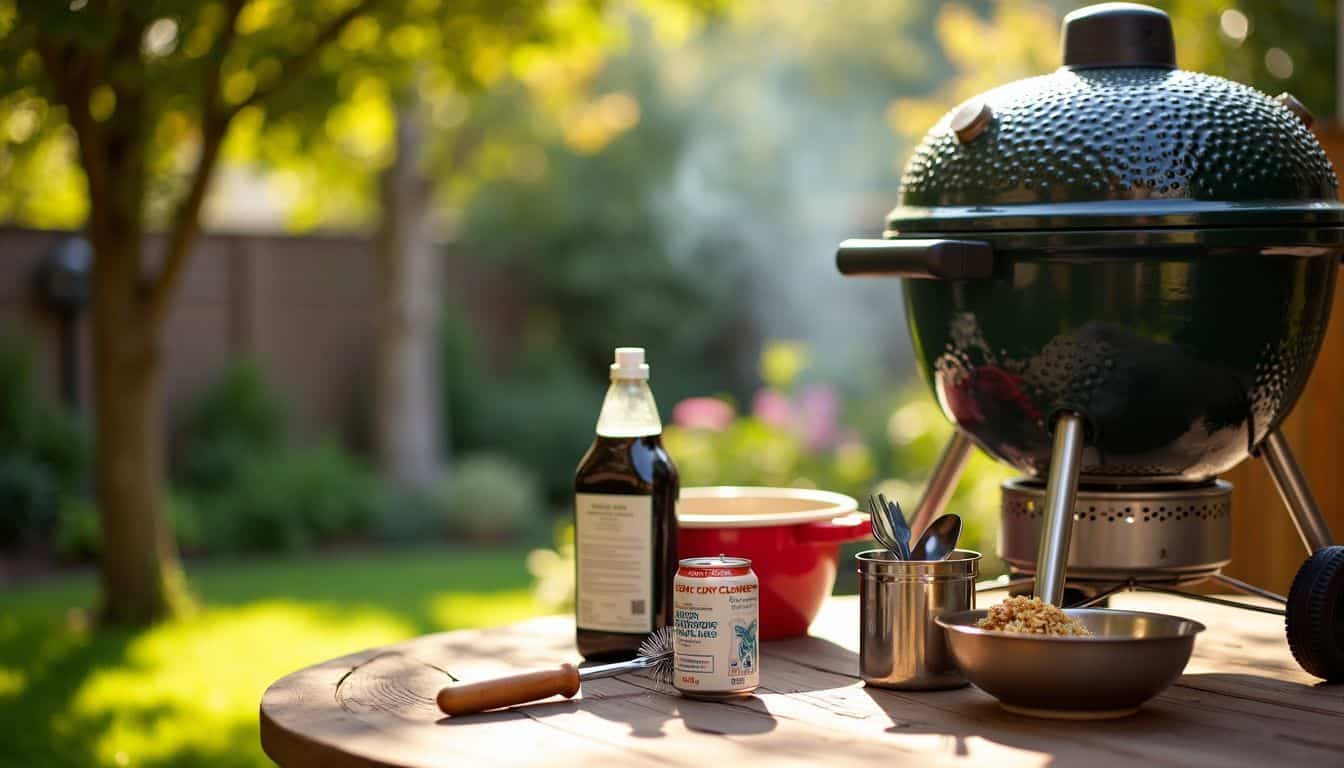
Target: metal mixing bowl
column 1130, row 658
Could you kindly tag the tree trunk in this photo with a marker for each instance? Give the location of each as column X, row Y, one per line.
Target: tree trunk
column 141, row 578
column 408, row 426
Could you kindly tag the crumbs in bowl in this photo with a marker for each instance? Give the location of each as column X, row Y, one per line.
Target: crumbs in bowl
column 1029, row 615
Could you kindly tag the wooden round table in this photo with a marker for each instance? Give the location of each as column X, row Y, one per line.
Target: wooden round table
column 1242, row 701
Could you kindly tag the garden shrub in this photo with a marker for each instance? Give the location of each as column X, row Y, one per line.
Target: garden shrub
column 288, row 500
column 239, row 488
column 44, row 454
column 546, row 427
column 408, row 516
column 236, row 419
column 29, row 497
column 490, row 498
column 78, row 531
column 247, row 490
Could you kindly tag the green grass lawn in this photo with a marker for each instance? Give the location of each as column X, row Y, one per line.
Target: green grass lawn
column 185, row 693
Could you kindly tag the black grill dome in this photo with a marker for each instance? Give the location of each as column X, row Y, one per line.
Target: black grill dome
column 1083, row 145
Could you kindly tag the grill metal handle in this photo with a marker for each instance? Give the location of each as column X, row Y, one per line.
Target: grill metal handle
column 929, row 259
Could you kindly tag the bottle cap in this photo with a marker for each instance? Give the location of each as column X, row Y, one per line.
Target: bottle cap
column 629, row 364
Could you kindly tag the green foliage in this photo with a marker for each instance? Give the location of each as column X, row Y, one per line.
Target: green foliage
column 30, row 499
column 598, row 266
column 1273, row 46
column 185, row 518
column 674, row 210
column 1299, row 34
column 408, row 517
column 244, row 489
column 78, row 531
column 308, row 90
column 44, row 454
column 292, row 500
column 540, row 412
column 491, row 498
column 78, row 535
column 184, row 693
column 235, row 420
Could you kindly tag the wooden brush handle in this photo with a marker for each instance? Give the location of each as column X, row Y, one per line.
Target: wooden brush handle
column 465, row 698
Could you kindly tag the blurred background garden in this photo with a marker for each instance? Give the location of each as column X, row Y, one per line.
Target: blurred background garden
column 317, row 301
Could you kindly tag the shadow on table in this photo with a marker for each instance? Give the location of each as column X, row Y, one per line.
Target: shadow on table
column 1182, row 717
column 647, row 706
column 1319, row 695
column 739, row 717
column 966, row 723
column 641, row 704
column 530, row 711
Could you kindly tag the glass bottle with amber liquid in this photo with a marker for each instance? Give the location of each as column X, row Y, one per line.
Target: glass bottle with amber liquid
column 625, row 522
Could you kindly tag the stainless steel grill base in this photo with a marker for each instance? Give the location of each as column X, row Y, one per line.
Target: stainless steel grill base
column 1171, row 534
column 1149, row 538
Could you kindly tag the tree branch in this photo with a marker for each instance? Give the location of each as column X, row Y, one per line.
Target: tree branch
column 186, row 224
column 186, row 218
column 215, row 121
column 295, row 66
column 71, row 76
column 211, row 106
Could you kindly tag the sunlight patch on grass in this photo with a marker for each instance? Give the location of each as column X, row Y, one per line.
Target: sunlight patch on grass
column 184, row 694
column 192, row 685
column 457, row 610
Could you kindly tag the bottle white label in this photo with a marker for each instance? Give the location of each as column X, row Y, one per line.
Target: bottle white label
column 614, row 547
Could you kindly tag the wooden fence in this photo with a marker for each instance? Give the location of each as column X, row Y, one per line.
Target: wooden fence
column 301, row 307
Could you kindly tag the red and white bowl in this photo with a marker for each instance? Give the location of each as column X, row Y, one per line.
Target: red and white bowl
column 791, row 535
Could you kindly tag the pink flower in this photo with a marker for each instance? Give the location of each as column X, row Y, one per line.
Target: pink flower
column 773, row 408
column 819, row 410
column 703, row 413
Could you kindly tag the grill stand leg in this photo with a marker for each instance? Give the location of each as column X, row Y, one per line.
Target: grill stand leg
column 1292, row 485
column 1061, row 490
column 1209, row 599
column 1249, row 589
column 946, row 472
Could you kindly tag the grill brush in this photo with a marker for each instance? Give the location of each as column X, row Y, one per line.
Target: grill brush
column 655, row 657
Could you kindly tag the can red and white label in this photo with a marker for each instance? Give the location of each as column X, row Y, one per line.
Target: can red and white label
column 716, row 623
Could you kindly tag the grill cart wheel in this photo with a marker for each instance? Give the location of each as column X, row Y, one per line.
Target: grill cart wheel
column 1315, row 616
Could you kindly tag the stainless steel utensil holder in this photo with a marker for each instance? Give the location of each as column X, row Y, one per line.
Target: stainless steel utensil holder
column 900, row 645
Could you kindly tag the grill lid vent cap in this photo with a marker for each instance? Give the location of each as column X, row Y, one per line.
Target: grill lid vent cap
column 1118, row 35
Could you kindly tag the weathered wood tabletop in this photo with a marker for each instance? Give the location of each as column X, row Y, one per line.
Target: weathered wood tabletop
column 1242, row 701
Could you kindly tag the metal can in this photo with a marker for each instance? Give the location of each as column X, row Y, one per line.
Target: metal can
column 901, row 645
column 715, row 624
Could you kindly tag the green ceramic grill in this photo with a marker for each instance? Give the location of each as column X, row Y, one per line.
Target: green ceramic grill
column 1117, row 278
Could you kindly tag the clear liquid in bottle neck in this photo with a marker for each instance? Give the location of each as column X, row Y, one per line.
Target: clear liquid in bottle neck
column 629, row 410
